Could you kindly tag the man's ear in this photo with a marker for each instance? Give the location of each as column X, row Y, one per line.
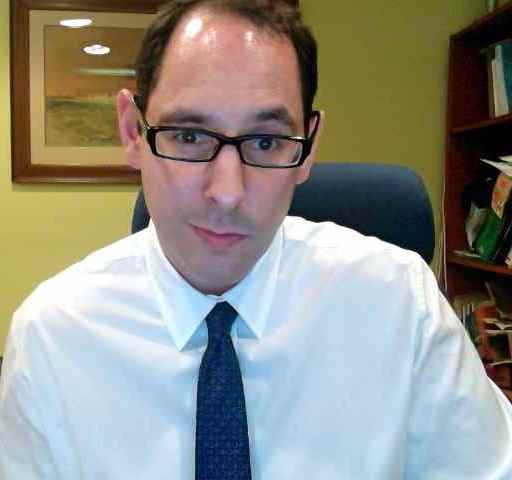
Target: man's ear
column 128, row 129
column 304, row 169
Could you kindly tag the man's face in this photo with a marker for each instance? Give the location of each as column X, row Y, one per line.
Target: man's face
column 215, row 220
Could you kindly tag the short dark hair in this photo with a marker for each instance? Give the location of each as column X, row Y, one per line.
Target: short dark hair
column 281, row 17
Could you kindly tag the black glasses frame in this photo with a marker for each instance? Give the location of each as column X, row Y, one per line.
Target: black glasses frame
column 150, row 132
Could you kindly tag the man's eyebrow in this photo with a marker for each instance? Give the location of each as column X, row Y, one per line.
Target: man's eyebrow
column 184, row 116
column 194, row 117
column 278, row 114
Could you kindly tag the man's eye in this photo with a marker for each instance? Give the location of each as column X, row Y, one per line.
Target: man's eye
column 186, row 136
column 266, row 143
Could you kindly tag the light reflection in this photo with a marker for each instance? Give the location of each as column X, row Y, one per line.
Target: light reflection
column 193, row 27
column 76, row 22
column 97, row 49
column 249, row 36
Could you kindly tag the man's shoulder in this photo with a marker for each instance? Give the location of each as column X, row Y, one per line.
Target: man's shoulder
column 329, row 251
column 80, row 280
column 339, row 241
column 123, row 255
column 327, row 256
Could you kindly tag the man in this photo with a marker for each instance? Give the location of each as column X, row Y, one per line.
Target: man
column 347, row 362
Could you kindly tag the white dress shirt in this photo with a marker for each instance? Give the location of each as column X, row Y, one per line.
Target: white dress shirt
column 354, row 367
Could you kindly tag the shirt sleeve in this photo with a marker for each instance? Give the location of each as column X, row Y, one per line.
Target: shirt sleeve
column 460, row 423
column 24, row 446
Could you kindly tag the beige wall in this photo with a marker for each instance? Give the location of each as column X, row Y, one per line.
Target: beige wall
column 383, row 74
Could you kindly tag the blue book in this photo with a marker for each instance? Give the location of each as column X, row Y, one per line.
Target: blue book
column 506, row 56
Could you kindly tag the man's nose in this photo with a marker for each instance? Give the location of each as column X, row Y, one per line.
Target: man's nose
column 226, row 182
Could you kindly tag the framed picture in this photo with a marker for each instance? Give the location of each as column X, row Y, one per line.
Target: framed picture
column 69, row 58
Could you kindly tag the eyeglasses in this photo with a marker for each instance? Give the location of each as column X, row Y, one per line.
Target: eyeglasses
column 196, row 145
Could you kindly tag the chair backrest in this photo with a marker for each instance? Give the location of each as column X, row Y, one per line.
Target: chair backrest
column 386, row 201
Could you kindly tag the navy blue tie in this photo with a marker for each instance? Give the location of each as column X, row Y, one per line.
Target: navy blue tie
column 222, row 441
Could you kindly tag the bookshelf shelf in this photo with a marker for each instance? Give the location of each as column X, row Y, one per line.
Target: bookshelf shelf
column 478, row 265
column 490, row 28
column 492, row 123
column 471, row 134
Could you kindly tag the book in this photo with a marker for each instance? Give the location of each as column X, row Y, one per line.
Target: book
column 489, row 53
column 501, row 106
column 486, row 243
column 501, row 297
column 504, row 243
column 508, row 259
column 503, row 164
column 499, row 65
column 504, row 240
column 506, row 56
column 476, row 198
column 503, row 251
column 474, row 222
column 463, row 304
column 490, row 333
column 484, row 314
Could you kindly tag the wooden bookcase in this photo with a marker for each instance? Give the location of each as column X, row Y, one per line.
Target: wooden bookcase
column 471, row 134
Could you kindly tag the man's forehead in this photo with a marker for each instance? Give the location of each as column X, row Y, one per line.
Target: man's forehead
column 212, row 53
column 201, row 19
column 209, row 28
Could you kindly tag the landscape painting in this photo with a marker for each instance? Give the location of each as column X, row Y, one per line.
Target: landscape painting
column 80, row 88
column 69, row 60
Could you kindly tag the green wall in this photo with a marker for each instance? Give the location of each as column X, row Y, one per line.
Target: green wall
column 382, row 82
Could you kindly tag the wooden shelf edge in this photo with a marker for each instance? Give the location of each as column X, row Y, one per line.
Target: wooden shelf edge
column 485, row 22
column 478, row 264
column 492, row 122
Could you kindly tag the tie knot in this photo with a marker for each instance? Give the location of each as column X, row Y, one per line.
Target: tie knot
column 220, row 319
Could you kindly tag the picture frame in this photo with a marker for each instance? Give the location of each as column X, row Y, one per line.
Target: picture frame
column 36, row 156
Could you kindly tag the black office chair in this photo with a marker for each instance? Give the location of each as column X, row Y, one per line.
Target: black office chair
column 386, row 201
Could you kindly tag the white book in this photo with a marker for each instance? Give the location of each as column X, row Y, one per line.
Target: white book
column 494, row 72
column 508, row 258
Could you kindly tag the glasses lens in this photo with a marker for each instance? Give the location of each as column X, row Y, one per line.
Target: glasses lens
column 185, row 144
column 271, row 151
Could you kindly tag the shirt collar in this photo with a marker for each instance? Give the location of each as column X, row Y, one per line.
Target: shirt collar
column 184, row 308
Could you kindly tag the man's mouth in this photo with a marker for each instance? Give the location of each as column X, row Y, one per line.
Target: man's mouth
column 219, row 239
